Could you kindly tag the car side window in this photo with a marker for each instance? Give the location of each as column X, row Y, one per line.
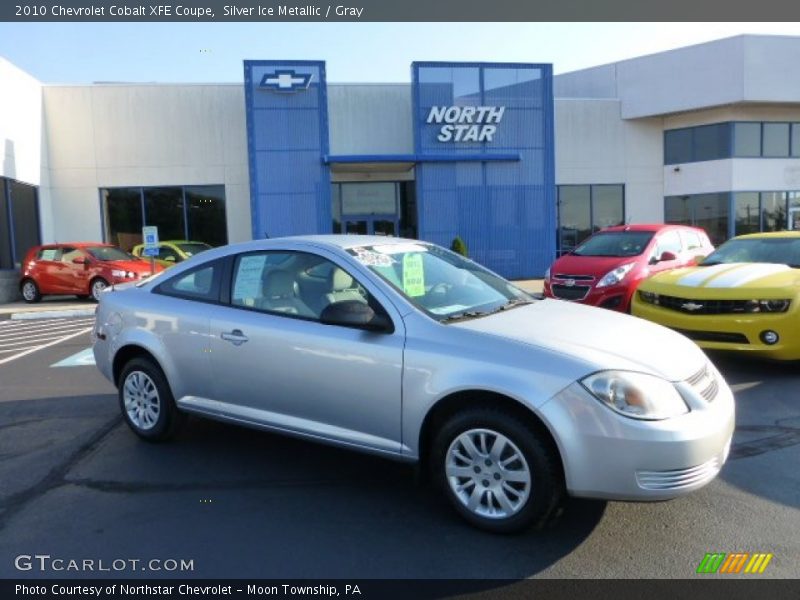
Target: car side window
column 167, row 253
column 70, row 254
column 691, row 240
column 296, row 284
column 49, row 254
column 201, row 283
column 668, row 241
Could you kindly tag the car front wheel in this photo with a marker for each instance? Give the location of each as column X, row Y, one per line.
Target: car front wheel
column 146, row 401
column 496, row 470
column 98, row 285
column 30, row 291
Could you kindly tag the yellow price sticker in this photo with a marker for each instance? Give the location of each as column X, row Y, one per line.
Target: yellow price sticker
column 413, row 275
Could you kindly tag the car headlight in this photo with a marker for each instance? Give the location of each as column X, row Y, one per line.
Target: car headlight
column 636, row 395
column 770, row 306
column 649, row 297
column 615, row 276
column 547, row 274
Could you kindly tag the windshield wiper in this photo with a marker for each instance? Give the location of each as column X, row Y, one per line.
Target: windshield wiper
column 467, row 314
column 511, row 304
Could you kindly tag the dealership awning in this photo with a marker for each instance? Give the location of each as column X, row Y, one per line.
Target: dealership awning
column 365, row 163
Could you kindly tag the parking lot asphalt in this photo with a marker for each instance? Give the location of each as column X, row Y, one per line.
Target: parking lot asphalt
column 77, row 484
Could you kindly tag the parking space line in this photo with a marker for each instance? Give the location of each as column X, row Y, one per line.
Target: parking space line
column 9, row 325
column 53, row 343
column 51, row 330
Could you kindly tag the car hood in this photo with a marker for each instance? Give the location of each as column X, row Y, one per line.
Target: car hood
column 597, row 266
column 601, row 338
column 727, row 280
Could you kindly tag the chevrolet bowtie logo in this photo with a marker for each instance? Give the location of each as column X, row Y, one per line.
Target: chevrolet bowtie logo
column 691, row 306
column 285, row 81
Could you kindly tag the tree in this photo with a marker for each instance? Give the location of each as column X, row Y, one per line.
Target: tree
column 458, row 246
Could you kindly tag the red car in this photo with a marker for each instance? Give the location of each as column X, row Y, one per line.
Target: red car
column 607, row 267
column 83, row 269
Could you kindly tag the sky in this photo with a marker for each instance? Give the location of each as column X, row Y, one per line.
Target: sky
column 354, row 52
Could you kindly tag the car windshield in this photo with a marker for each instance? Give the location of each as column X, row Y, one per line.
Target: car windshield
column 109, row 253
column 445, row 285
column 615, row 243
column 192, row 248
column 778, row 250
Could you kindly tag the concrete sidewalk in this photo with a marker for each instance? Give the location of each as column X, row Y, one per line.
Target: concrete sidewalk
column 69, row 306
column 49, row 308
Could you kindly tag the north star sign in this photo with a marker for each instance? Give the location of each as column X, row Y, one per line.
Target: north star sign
column 466, row 123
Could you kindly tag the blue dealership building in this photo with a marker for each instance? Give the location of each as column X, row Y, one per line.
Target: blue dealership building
column 481, row 167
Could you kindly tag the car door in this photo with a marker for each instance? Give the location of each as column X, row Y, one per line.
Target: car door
column 48, row 266
column 276, row 364
column 74, row 277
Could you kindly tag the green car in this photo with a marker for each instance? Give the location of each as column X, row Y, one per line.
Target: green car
column 171, row 252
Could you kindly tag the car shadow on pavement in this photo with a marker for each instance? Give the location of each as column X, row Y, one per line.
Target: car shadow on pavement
column 274, row 507
column 767, row 422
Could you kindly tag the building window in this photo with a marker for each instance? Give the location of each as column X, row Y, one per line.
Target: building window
column 747, row 139
column 19, row 222
column 195, row 213
column 750, row 212
column 709, row 211
column 375, row 208
column 584, row 209
column 694, row 144
column 731, row 140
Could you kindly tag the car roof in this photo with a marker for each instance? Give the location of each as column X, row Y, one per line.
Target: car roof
column 76, row 244
column 769, row 234
column 649, row 227
column 340, row 241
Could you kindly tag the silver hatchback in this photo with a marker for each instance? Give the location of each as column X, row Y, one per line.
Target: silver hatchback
column 404, row 349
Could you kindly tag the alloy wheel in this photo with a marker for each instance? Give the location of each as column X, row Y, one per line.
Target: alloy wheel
column 488, row 473
column 142, row 402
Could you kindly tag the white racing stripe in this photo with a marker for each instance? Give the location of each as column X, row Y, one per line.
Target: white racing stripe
column 746, row 274
column 702, row 274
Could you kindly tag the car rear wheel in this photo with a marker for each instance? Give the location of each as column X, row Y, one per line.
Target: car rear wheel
column 98, row 285
column 497, row 472
column 146, row 401
column 30, row 291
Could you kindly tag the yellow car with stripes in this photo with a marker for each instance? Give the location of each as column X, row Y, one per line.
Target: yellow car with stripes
column 745, row 296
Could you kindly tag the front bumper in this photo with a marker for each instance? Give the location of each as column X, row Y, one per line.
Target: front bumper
column 615, row 297
column 737, row 332
column 607, row 455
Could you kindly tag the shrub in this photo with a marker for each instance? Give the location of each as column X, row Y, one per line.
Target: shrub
column 458, row 246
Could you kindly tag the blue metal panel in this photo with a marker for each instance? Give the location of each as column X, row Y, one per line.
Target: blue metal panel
column 504, row 210
column 287, row 136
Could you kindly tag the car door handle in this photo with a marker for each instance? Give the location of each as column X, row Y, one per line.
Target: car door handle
column 235, row 337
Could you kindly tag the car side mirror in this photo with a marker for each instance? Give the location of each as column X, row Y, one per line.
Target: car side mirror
column 666, row 255
column 353, row 313
column 80, row 260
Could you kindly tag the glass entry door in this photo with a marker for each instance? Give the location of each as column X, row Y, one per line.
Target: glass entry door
column 371, row 225
column 794, row 218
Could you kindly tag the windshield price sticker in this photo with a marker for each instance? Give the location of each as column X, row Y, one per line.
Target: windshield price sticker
column 248, row 277
column 373, row 259
column 413, row 275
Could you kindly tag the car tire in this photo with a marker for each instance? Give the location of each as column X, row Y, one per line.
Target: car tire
column 96, row 287
column 30, row 291
column 146, row 401
column 505, row 489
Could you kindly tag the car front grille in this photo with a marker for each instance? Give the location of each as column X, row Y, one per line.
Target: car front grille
column 679, row 478
column 724, row 337
column 573, row 277
column 570, row 292
column 692, row 306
